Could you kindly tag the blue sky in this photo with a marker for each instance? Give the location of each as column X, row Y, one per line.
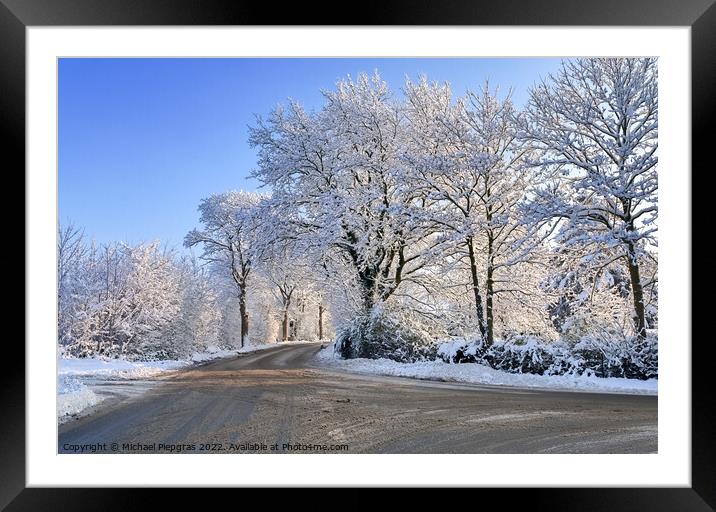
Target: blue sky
column 141, row 141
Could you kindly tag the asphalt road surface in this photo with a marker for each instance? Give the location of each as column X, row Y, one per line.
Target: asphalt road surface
column 279, row 401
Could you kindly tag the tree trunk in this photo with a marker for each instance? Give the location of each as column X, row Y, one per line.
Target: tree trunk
column 366, row 274
column 489, row 302
column 320, row 322
column 367, row 281
column 476, row 287
column 637, row 292
column 244, row 316
column 285, row 324
column 489, row 305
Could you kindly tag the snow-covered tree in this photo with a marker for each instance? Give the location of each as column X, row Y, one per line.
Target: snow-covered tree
column 126, row 296
column 135, row 301
column 469, row 164
column 594, row 125
column 152, row 299
column 284, row 274
column 338, row 177
column 71, row 253
column 196, row 325
column 228, row 239
column 293, row 272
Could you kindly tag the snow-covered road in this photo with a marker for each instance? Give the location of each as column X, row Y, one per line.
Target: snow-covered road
column 84, row 383
column 284, row 397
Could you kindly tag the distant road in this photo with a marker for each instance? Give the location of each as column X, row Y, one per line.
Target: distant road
column 277, row 400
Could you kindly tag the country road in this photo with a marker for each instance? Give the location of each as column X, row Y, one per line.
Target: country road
column 279, row 400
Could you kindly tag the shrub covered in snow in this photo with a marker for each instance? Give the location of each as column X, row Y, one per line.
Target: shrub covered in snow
column 462, row 350
column 383, row 335
column 599, row 355
column 517, row 354
column 617, row 357
column 527, row 354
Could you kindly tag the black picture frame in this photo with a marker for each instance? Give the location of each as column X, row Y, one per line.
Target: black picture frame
column 17, row 15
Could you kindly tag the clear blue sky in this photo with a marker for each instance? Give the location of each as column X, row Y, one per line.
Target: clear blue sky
column 141, row 141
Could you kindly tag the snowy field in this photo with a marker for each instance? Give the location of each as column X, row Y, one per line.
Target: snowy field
column 474, row 373
column 76, row 378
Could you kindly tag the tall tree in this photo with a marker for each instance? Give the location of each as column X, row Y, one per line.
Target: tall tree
column 228, row 239
column 595, row 126
column 281, row 270
column 336, row 174
column 468, row 162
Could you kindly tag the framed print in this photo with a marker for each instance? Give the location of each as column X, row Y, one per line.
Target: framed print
column 432, row 248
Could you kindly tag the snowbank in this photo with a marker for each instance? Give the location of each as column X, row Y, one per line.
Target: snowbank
column 73, row 396
column 474, row 373
column 111, row 369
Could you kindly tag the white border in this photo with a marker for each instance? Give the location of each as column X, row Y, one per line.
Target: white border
column 670, row 467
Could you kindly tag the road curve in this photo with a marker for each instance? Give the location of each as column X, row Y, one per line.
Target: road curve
column 278, row 401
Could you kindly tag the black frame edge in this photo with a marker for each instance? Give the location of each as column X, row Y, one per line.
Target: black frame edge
column 703, row 108
column 12, row 130
column 372, row 12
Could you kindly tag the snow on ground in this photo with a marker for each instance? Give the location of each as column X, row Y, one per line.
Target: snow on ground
column 475, row 373
column 75, row 377
column 73, row 396
column 113, row 369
